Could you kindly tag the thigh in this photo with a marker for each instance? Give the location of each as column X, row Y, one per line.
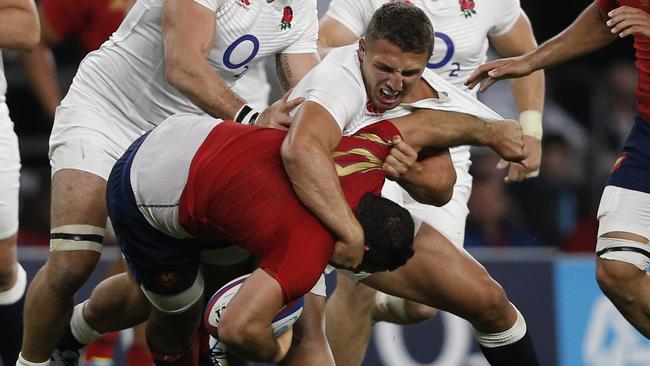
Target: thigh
column 9, row 180
column 439, row 275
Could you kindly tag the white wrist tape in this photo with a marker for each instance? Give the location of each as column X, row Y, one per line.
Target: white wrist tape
column 246, row 115
column 531, row 123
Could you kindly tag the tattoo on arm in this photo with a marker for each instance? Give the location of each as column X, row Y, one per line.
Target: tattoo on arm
column 283, row 70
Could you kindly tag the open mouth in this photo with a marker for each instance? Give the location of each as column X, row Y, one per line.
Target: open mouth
column 388, row 96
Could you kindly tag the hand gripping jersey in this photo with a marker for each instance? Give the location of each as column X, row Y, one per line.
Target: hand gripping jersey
column 225, row 183
column 126, row 77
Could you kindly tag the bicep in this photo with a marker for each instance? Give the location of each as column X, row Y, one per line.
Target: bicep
column 188, row 29
column 517, row 41
column 315, row 124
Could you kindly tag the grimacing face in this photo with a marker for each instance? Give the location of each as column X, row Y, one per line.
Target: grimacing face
column 388, row 72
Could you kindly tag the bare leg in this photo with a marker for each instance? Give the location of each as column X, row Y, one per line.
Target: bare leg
column 396, row 310
column 348, row 320
column 77, row 198
column 309, row 345
column 442, row 276
column 627, row 286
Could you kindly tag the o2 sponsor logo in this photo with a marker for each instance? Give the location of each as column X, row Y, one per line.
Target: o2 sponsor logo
column 449, row 43
column 239, row 47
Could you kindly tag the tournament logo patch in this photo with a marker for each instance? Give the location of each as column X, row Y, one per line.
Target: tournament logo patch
column 168, row 279
column 287, row 17
column 467, row 8
column 619, row 161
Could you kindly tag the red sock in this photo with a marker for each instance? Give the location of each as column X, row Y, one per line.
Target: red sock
column 138, row 355
column 189, row 357
column 101, row 348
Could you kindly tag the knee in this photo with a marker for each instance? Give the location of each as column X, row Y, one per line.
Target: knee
column 356, row 298
column 238, row 333
column 492, row 306
column 416, row 312
column 617, row 279
column 66, row 272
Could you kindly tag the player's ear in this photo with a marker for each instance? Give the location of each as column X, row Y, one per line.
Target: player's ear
column 362, row 49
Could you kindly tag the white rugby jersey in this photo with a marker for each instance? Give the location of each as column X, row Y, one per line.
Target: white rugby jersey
column 337, row 85
column 126, row 76
column 461, row 29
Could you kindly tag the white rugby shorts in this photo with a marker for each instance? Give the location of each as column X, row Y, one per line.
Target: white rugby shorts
column 88, row 137
column 625, row 210
column 9, row 175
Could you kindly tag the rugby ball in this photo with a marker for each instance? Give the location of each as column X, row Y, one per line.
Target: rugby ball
column 219, row 302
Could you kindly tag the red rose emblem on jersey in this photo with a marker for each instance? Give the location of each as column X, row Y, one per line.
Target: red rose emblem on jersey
column 287, row 17
column 467, row 8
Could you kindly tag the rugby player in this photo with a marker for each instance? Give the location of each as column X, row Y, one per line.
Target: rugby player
column 622, row 247
column 463, row 33
column 166, row 57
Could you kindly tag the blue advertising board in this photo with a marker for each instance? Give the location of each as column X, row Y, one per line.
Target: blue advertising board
column 590, row 331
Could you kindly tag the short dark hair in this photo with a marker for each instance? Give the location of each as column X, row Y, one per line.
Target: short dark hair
column 404, row 25
column 389, row 231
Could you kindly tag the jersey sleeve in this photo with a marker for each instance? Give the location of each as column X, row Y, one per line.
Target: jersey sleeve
column 306, row 43
column 607, row 5
column 64, row 16
column 335, row 91
column 354, row 14
column 213, row 5
column 507, row 14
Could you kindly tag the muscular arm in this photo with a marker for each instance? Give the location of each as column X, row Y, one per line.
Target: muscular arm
column 528, row 93
column 332, row 34
column 291, row 67
column 188, row 31
column 431, row 180
column 41, row 69
column 306, row 153
column 19, row 26
column 587, row 33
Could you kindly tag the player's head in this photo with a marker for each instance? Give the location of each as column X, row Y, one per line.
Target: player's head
column 394, row 52
column 389, row 232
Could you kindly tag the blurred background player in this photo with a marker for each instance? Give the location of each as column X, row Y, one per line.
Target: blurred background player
column 464, row 30
column 624, row 214
column 155, row 68
column 19, row 29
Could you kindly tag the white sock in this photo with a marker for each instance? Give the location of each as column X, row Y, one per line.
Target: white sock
column 81, row 330
column 509, row 336
column 22, row 362
column 16, row 292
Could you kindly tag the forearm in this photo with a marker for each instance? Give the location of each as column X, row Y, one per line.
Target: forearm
column 314, row 179
column 586, row 34
column 203, row 86
column 441, row 129
column 19, row 26
column 41, row 73
column 432, row 180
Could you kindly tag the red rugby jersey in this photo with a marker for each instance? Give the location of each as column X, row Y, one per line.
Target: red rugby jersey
column 93, row 21
column 642, row 54
column 237, row 189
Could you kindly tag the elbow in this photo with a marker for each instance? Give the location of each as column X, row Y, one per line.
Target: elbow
column 295, row 152
column 173, row 70
column 440, row 192
column 243, row 338
column 28, row 40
